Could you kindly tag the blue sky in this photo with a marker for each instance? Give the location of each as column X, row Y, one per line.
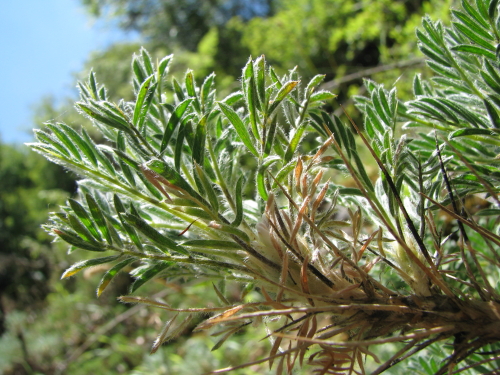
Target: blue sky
column 42, row 42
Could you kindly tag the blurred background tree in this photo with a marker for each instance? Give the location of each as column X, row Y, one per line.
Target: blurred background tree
column 344, row 39
column 29, row 188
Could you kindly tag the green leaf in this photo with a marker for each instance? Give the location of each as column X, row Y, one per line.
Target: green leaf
column 261, row 187
column 178, row 90
column 239, row 126
column 84, row 92
column 143, row 101
column 200, row 136
column 172, row 176
column 84, row 217
column 81, row 229
column 489, row 212
column 77, row 267
column 315, row 81
column 474, row 50
column 492, row 9
column 77, row 241
column 259, row 68
column 132, row 234
column 138, row 69
column 82, row 144
column 381, row 107
column 234, row 231
column 492, row 112
column 417, row 85
column 472, row 24
column 65, row 139
column 322, row 96
column 50, row 140
column 471, row 11
column 233, row 98
column 127, row 172
column 98, row 216
column 190, row 84
column 431, row 42
column 146, row 273
column 152, row 234
column 270, row 133
column 127, row 160
column 174, row 119
column 206, row 88
column 434, row 56
column 362, row 172
column 294, row 142
column 250, row 91
column 146, row 61
column 492, row 78
column 163, row 65
column 282, row 93
column 470, row 132
column 284, row 172
column 473, row 36
column 239, row 203
column 93, row 85
column 111, row 273
column 179, row 144
column 208, row 187
column 102, row 94
column 350, row 191
column 107, row 120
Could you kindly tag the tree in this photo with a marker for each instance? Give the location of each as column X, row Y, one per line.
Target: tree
column 29, row 187
column 176, row 23
column 331, row 37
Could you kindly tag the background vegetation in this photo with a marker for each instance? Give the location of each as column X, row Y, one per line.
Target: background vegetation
column 342, row 39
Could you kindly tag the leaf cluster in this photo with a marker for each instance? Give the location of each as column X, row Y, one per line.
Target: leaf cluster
column 189, row 186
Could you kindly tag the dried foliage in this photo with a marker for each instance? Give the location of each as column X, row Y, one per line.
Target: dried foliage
column 228, row 190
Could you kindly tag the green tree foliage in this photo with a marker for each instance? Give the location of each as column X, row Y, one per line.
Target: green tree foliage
column 167, row 198
column 29, row 188
column 331, row 37
column 177, row 23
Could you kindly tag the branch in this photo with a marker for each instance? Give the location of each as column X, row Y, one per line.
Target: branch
column 330, row 85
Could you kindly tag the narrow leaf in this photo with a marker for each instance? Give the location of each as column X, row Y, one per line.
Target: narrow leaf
column 98, row 216
column 200, row 136
column 94, row 114
column 239, row 203
column 321, row 96
column 85, row 218
column 111, row 273
column 77, row 267
column 470, row 132
column 239, row 126
column 261, row 186
column 282, row 93
column 315, row 81
column 208, row 187
column 77, row 241
column 65, row 139
column 163, row 65
column 152, row 234
column 147, row 274
column 82, row 144
column 144, row 98
column 174, row 119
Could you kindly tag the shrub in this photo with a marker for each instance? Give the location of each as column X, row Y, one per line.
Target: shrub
column 188, row 186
